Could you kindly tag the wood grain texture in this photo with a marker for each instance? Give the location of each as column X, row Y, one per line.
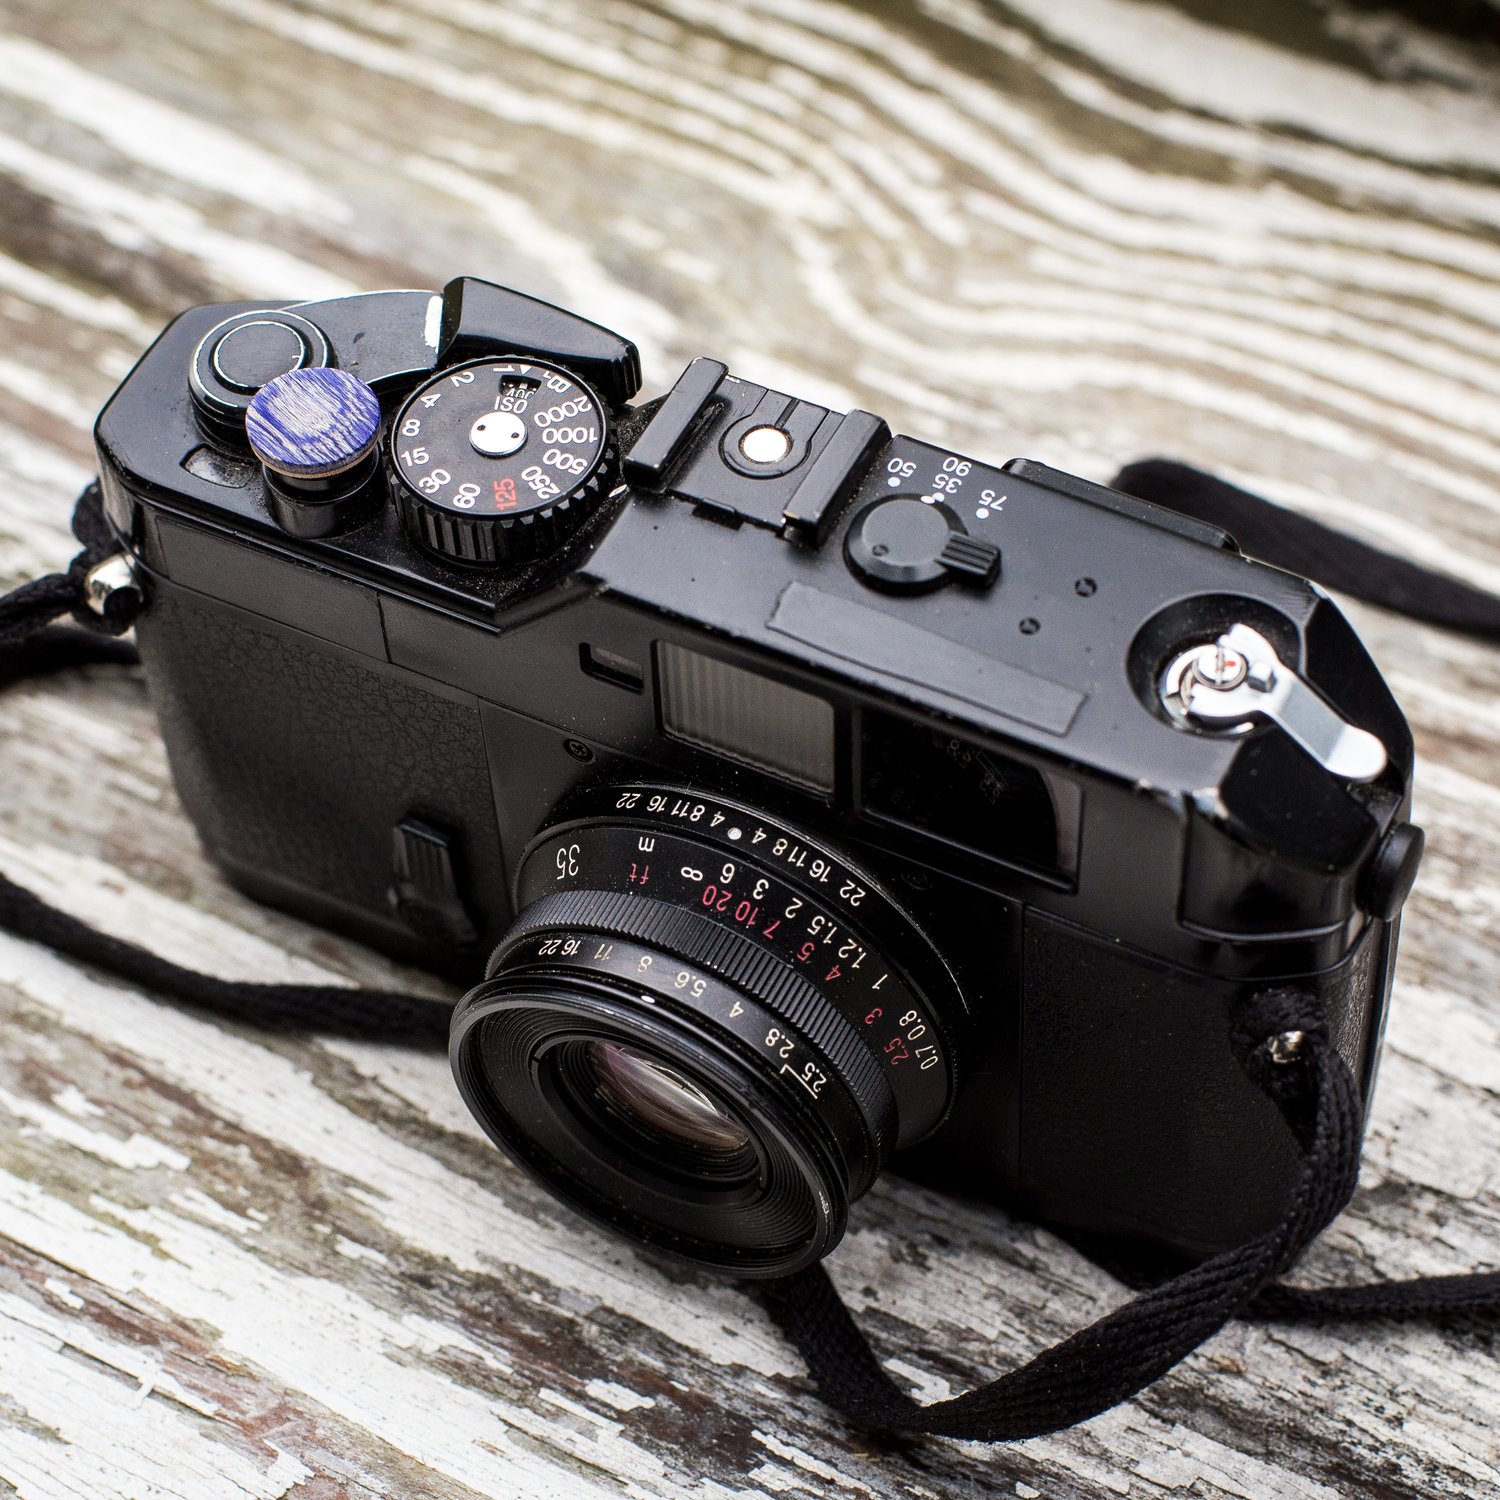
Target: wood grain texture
column 1265, row 238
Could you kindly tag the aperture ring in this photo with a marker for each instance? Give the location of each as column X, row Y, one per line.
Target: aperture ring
column 741, row 963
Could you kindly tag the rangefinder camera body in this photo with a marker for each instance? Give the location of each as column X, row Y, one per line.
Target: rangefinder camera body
column 795, row 799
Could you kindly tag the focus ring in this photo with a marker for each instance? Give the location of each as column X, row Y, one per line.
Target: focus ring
column 764, row 976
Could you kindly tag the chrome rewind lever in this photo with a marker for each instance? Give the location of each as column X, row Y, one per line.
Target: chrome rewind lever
column 1230, row 683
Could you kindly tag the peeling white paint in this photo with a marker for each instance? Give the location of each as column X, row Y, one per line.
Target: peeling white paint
column 1232, row 75
column 407, row 1192
column 137, row 1153
column 137, row 222
column 87, row 308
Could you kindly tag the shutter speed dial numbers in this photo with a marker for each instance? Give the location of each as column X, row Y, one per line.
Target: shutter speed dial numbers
column 499, row 460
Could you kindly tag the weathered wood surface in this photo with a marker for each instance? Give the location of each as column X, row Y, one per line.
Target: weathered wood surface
column 1264, row 238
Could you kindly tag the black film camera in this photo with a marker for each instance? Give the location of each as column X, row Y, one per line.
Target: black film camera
column 799, row 799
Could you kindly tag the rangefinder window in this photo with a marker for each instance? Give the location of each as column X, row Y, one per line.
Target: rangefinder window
column 969, row 795
column 747, row 717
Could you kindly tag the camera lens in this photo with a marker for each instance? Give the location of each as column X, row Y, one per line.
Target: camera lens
column 690, row 1035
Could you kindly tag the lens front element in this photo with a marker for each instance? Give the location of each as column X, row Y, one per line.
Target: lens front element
column 706, row 1053
column 664, row 1108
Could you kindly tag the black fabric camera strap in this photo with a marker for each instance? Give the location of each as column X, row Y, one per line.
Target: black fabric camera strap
column 1279, row 1036
column 31, row 646
column 1286, row 539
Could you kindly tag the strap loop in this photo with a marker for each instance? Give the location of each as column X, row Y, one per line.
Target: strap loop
column 28, row 609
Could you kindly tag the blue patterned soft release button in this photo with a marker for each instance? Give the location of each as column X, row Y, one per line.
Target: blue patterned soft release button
column 308, row 424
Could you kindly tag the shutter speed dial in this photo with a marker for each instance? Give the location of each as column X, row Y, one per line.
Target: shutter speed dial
column 499, row 460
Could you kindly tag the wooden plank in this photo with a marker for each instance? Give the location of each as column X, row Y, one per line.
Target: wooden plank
column 233, row 1265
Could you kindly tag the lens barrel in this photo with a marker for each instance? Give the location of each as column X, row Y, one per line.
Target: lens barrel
column 717, row 1075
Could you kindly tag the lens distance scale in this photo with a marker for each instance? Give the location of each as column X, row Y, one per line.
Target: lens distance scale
column 793, row 898
column 498, row 460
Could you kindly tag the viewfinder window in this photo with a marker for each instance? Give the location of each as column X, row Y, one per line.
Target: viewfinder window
column 970, row 795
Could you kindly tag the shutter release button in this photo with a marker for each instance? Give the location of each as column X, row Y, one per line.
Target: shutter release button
column 905, row 545
column 253, row 354
column 244, row 353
